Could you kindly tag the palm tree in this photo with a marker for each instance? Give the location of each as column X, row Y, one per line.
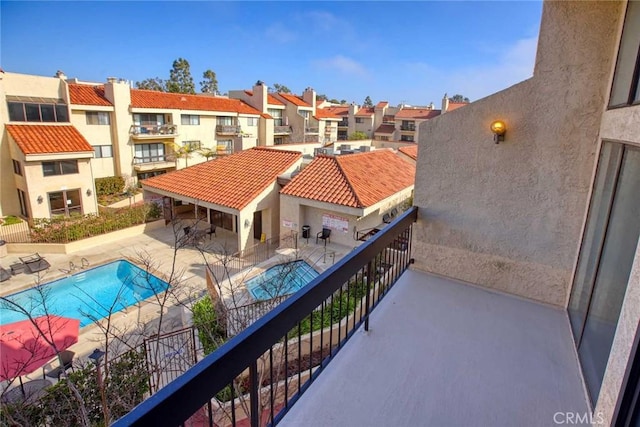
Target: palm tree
column 207, row 153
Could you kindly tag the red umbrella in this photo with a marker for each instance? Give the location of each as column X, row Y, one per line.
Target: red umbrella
column 24, row 347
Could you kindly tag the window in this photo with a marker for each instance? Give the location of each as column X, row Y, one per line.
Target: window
column 408, row 138
column 145, row 175
column 147, row 153
column 98, row 118
column 304, row 114
column 190, row 119
column 148, row 119
column 278, row 141
column 252, row 121
column 382, row 138
column 194, row 145
column 22, row 198
column 65, row 203
column 102, row 151
column 626, row 88
column 359, row 120
column 225, row 121
column 17, row 168
column 221, row 219
column 61, row 167
column 37, row 112
column 277, row 116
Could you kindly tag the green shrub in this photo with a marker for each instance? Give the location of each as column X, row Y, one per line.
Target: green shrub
column 10, row 220
column 211, row 331
column 109, row 185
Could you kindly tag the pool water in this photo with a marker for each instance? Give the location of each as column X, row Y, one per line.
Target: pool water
column 88, row 294
column 281, row 279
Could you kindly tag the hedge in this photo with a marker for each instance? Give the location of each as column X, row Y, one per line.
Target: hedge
column 109, row 185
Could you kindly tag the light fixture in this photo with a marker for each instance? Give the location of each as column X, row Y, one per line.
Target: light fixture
column 97, row 356
column 246, row 223
column 499, row 129
column 40, row 199
column 89, row 192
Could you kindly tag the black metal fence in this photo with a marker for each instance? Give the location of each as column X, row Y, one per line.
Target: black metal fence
column 260, row 373
column 225, row 266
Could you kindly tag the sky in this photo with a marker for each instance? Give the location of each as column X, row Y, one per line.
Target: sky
column 401, row 52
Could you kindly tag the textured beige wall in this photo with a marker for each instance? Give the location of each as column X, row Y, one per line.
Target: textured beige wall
column 509, row 216
column 95, row 135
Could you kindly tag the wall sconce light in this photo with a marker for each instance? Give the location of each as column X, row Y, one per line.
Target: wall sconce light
column 499, row 129
column 40, row 199
column 246, row 223
column 89, row 192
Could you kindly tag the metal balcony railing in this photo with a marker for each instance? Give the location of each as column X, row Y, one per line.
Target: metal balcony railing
column 343, row 122
column 282, row 130
column 154, row 159
column 227, row 129
column 411, row 128
column 260, row 373
column 153, row 130
column 312, row 130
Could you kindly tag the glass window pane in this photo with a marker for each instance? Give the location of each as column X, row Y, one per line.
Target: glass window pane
column 48, row 168
column 33, row 112
column 48, row 115
column 69, row 166
column 106, row 151
column 184, row 119
column 56, row 203
column 627, row 56
column 103, row 118
column 62, row 114
column 97, row 151
column 601, row 198
column 91, row 118
column 16, row 112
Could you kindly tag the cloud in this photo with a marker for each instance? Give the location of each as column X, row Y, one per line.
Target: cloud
column 324, row 21
column 343, row 65
column 279, row 33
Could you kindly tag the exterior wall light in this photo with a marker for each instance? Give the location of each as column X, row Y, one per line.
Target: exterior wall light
column 498, row 128
column 40, row 199
column 246, row 223
column 89, row 192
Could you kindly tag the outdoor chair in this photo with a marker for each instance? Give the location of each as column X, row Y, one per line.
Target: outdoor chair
column 325, row 235
column 35, row 263
column 4, row 275
column 66, row 357
column 386, row 218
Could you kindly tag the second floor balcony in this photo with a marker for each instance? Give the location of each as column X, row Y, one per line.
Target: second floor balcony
column 149, row 163
column 227, row 129
column 410, row 349
column 312, row 130
column 153, row 131
column 408, row 127
column 343, row 123
column 282, row 130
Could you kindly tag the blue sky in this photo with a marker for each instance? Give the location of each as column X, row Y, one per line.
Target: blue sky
column 409, row 52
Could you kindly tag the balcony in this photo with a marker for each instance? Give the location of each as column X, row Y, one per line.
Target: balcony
column 343, row 123
column 153, row 131
column 282, row 130
column 412, row 349
column 144, row 164
column 311, row 130
column 227, row 129
column 408, row 128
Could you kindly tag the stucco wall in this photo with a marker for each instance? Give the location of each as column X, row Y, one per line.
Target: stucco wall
column 509, row 216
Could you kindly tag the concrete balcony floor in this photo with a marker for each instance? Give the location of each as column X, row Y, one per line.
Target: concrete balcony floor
column 442, row 353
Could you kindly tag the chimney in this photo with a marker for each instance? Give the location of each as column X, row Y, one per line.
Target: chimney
column 61, row 75
column 445, row 104
column 309, row 96
column 353, row 108
column 260, row 94
column 111, row 80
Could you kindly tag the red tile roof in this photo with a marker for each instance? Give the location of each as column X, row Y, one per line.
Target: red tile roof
column 338, row 111
column 270, row 98
column 417, row 113
column 294, row 99
column 179, row 101
column 382, row 104
column 324, row 113
column 232, row 181
column 88, row 95
column 410, row 150
column 48, row 139
column 266, row 116
column 355, row 180
column 456, row 105
column 365, row 111
column 386, row 128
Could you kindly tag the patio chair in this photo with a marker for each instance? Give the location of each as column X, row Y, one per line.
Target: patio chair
column 4, row 275
column 325, row 235
column 35, row 263
column 212, row 231
column 386, row 218
column 66, row 357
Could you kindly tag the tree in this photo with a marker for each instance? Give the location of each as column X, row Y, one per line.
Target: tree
column 180, row 79
column 358, row 135
column 343, row 101
column 323, row 97
column 154, row 83
column 367, row 102
column 277, row 87
column 334, row 101
column 459, row 98
column 210, row 82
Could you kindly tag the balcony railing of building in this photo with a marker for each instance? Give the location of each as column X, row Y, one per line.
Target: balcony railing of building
column 260, row 373
column 154, row 159
column 411, row 127
column 312, row 130
column 282, row 130
column 227, row 129
column 343, row 123
column 153, row 130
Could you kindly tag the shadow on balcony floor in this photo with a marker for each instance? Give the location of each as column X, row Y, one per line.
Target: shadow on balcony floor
column 441, row 353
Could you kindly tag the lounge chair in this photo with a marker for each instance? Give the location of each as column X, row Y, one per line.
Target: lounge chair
column 325, row 235
column 4, row 275
column 66, row 357
column 35, row 263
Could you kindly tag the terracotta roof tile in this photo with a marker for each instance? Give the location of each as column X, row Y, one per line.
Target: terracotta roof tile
column 294, row 99
column 386, row 128
column 382, row 104
column 232, row 181
column 338, row 111
column 323, row 113
column 271, row 100
column 48, row 139
column 456, row 105
column 266, row 116
column 88, row 95
column 365, row 111
column 410, row 150
column 179, row 101
column 417, row 113
column 355, row 180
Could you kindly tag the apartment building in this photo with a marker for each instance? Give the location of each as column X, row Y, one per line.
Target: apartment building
column 128, row 132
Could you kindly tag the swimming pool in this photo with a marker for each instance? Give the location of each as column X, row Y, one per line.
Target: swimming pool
column 88, row 294
column 281, row 279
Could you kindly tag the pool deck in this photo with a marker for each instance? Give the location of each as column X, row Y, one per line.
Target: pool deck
column 157, row 246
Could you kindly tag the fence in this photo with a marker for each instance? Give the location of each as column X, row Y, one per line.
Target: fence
column 229, row 265
column 15, row 233
column 169, row 355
